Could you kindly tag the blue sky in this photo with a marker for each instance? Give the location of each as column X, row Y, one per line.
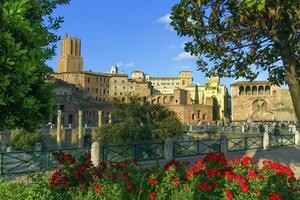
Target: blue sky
column 131, row 33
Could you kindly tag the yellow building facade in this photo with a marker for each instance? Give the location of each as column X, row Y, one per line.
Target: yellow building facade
column 219, row 93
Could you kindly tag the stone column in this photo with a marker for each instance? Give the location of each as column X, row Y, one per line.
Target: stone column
column 168, row 149
column 266, row 141
column 96, row 153
column 109, row 118
column 243, row 129
column 99, row 118
column 224, row 145
column 80, row 138
column 58, row 129
column 191, row 127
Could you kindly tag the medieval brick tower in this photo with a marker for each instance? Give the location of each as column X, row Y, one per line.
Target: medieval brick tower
column 70, row 59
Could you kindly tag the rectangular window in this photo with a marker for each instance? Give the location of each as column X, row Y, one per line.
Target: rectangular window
column 88, row 80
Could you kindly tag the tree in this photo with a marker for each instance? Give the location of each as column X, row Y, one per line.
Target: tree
column 139, row 121
column 27, row 41
column 244, row 38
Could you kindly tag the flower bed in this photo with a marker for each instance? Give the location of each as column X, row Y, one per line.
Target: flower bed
column 214, row 177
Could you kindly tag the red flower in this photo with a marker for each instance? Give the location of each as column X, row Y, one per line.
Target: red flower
column 229, row 194
column 216, row 184
column 189, row 174
column 176, row 181
column 275, row 196
column 204, row 186
column 252, row 174
column 258, row 192
column 129, row 186
column 98, row 188
column 172, row 163
column 244, row 187
column 246, row 160
column 152, row 182
column 152, row 196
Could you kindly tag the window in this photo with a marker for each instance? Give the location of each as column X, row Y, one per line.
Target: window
column 97, row 79
column 124, row 88
column 115, row 87
column 88, row 89
column 96, row 98
column 120, row 93
column 103, row 91
column 115, row 94
column 88, row 80
column 183, row 82
column 100, row 79
column 123, row 81
column 103, row 99
column 97, row 91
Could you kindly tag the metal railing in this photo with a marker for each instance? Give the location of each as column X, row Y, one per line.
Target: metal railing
column 195, row 147
column 244, row 143
column 282, row 140
column 33, row 161
column 138, row 152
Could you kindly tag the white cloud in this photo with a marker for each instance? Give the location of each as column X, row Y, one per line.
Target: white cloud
column 121, row 64
column 184, row 56
column 166, row 20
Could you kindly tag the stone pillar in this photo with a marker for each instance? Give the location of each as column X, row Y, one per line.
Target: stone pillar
column 168, row 149
column 80, row 138
column 96, row 153
column 243, row 129
column 266, row 141
column 58, row 129
column 224, row 145
column 109, row 118
column 297, row 138
column 99, row 118
column 191, row 127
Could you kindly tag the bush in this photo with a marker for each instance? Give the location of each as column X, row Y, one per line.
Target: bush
column 24, row 141
column 214, row 177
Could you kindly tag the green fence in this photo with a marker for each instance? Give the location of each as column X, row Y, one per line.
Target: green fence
column 138, row 152
column 33, row 161
column 282, row 140
column 195, row 147
column 244, row 143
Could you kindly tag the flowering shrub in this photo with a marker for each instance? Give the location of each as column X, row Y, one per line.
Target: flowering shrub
column 213, row 177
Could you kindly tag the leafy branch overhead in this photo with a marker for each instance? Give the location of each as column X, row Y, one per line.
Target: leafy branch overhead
column 27, row 41
column 241, row 37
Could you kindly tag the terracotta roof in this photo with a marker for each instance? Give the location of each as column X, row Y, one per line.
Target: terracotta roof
column 251, row 83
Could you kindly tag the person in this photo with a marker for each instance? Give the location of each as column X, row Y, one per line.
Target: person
column 276, row 135
column 261, row 129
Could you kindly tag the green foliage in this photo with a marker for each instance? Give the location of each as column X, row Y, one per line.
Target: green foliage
column 24, row 141
column 27, row 41
column 136, row 121
column 242, row 38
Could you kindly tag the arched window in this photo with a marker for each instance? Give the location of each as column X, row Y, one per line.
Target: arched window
column 268, row 90
column 254, row 90
column 248, row 90
column 158, row 100
column 241, row 90
column 261, row 90
column 165, row 99
column 171, row 99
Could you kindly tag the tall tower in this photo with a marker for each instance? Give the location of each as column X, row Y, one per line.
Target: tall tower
column 70, row 59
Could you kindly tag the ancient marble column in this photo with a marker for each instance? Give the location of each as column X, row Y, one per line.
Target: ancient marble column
column 80, row 138
column 99, row 118
column 58, row 129
column 109, row 118
column 96, row 153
